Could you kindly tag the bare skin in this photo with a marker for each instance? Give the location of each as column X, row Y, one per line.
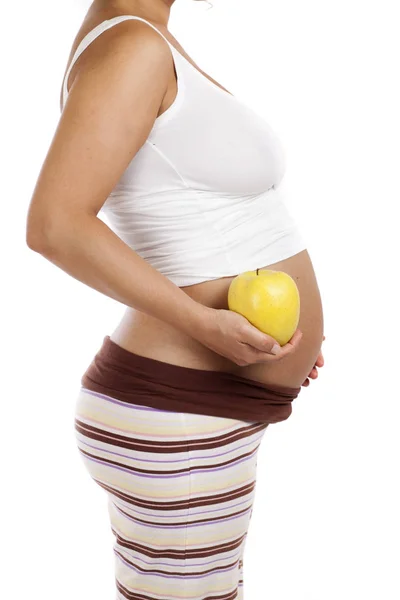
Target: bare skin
column 148, row 336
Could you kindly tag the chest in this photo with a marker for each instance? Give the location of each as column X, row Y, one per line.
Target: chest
column 212, row 143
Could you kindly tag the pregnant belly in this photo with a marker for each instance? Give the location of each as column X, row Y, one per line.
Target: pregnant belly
column 143, row 334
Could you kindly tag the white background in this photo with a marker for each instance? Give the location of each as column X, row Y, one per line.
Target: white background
column 325, row 524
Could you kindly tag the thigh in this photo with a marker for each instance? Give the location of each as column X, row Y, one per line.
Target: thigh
column 180, row 492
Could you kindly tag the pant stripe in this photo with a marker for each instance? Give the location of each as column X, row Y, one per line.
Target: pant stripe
column 180, row 489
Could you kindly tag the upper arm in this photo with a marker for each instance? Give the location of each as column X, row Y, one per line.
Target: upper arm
column 110, row 111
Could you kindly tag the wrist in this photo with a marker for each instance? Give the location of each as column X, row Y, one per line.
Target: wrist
column 197, row 320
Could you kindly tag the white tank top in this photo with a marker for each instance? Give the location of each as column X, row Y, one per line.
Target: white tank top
column 199, row 200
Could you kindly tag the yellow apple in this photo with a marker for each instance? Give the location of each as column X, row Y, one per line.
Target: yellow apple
column 269, row 299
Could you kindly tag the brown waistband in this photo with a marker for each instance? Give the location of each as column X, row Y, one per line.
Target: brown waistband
column 137, row 379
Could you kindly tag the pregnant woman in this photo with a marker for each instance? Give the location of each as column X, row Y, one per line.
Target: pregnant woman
column 173, row 407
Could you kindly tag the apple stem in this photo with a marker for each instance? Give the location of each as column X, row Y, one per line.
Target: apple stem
column 257, row 271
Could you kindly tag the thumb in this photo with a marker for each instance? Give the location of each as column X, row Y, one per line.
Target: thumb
column 263, row 342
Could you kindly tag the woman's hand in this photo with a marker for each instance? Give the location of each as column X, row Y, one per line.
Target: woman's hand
column 314, row 373
column 231, row 335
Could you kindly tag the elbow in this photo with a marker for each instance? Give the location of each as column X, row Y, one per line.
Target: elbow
column 36, row 241
column 38, row 238
column 51, row 234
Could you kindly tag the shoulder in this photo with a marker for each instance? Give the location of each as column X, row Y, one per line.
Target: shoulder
column 133, row 40
column 128, row 48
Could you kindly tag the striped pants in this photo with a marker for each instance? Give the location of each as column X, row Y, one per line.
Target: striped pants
column 180, row 490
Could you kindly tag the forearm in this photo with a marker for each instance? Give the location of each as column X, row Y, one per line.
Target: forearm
column 88, row 250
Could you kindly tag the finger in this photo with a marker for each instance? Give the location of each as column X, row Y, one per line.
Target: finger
column 293, row 342
column 289, row 347
column 285, row 350
column 261, row 343
column 258, row 342
column 296, row 337
column 306, row 383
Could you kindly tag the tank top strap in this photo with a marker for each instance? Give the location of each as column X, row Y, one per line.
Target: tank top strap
column 98, row 30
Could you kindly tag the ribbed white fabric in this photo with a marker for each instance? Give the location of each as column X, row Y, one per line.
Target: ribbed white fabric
column 199, row 200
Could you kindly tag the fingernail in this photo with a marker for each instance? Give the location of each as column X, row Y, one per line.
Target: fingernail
column 276, row 349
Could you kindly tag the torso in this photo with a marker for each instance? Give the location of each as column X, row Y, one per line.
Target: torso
column 148, row 336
